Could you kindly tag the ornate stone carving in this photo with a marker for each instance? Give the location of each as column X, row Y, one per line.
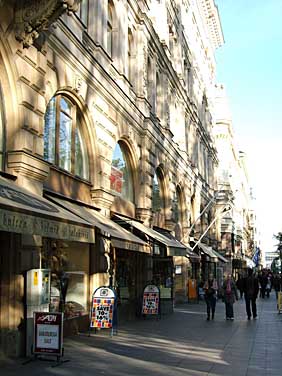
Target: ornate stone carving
column 34, row 16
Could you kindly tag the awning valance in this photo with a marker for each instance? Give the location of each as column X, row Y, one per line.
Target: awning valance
column 208, row 251
column 173, row 246
column 26, row 213
column 120, row 238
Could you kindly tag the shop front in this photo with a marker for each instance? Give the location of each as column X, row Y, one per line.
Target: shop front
column 160, row 268
column 120, row 259
column 36, row 235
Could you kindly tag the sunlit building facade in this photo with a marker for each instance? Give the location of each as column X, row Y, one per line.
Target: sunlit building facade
column 107, row 153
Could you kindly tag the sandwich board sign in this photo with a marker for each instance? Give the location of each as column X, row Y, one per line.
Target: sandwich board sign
column 48, row 333
column 151, row 300
column 103, row 308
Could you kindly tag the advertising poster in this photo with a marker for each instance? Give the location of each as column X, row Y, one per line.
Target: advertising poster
column 48, row 333
column 103, row 305
column 151, row 300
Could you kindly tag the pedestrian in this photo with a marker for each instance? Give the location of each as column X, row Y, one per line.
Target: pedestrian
column 229, row 296
column 277, row 284
column 251, row 289
column 239, row 285
column 210, row 288
column 263, row 283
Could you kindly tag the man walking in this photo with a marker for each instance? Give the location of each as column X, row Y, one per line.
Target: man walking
column 251, row 289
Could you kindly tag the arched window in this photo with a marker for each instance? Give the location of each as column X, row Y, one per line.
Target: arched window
column 158, row 202
column 121, row 173
column 63, row 141
column 177, row 208
column 110, row 28
column 2, row 131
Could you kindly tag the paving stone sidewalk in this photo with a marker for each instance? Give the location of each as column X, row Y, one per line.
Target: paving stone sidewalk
column 183, row 343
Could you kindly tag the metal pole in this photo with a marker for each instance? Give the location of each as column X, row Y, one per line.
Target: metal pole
column 225, row 210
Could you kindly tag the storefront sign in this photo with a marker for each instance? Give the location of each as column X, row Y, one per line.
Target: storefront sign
column 48, row 333
column 103, row 307
column 13, row 221
column 151, row 300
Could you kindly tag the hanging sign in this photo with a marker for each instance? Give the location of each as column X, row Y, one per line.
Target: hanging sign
column 103, row 307
column 48, row 333
column 151, row 300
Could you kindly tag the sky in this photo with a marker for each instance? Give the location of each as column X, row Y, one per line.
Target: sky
column 249, row 64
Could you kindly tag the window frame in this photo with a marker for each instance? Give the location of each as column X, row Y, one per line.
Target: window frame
column 76, row 124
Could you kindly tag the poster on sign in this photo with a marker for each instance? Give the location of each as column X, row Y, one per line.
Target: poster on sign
column 103, row 308
column 151, row 300
column 48, row 333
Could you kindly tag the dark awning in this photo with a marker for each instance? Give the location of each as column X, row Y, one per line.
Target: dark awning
column 173, row 246
column 120, row 238
column 26, row 213
column 208, row 251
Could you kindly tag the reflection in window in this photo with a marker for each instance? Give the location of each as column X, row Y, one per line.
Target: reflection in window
column 121, row 176
column 63, row 144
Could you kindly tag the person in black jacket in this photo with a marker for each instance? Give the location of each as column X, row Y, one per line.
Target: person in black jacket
column 251, row 289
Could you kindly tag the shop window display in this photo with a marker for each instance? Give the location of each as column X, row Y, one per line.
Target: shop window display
column 69, row 276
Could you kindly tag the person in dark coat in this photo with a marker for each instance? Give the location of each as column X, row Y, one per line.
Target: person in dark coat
column 229, row 295
column 210, row 288
column 239, row 285
column 251, row 289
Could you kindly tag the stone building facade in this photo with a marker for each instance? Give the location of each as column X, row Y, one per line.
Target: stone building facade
column 105, row 105
column 238, row 228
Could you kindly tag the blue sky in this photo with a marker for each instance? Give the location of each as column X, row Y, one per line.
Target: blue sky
column 250, row 66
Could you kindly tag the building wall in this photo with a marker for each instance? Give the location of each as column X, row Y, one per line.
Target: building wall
column 152, row 91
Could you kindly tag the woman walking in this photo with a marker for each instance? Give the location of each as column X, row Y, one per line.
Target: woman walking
column 210, row 288
column 229, row 295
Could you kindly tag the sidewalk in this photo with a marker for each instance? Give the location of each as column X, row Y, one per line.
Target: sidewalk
column 180, row 344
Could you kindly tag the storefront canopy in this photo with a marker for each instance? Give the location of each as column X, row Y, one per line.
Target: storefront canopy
column 220, row 257
column 208, row 251
column 250, row 263
column 120, row 238
column 173, row 246
column 26, row 213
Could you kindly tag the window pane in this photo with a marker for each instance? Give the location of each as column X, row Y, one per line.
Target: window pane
column 156, row 199
column 65, row 106
column 49, row 131
column 83, row 11
column 65, row 142
column 81, row 158
column 121, row 178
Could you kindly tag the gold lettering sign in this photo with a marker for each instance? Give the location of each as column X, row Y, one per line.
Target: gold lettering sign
column 27, row 224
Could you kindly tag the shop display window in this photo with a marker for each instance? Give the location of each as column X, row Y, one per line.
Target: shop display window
column 69, row 265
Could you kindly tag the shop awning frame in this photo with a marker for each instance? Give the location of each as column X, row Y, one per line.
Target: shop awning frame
column 26, row 213
column 173, row 246
column 120, row 238
column 220, row 257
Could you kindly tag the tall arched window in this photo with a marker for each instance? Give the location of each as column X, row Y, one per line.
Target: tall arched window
column 158, row 202
column 178, row 214
column 121, row 173
column 110, row 28
column 63, row 141
column 2, row 131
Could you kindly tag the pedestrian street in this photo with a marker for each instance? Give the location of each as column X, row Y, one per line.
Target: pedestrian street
column 184, row 343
